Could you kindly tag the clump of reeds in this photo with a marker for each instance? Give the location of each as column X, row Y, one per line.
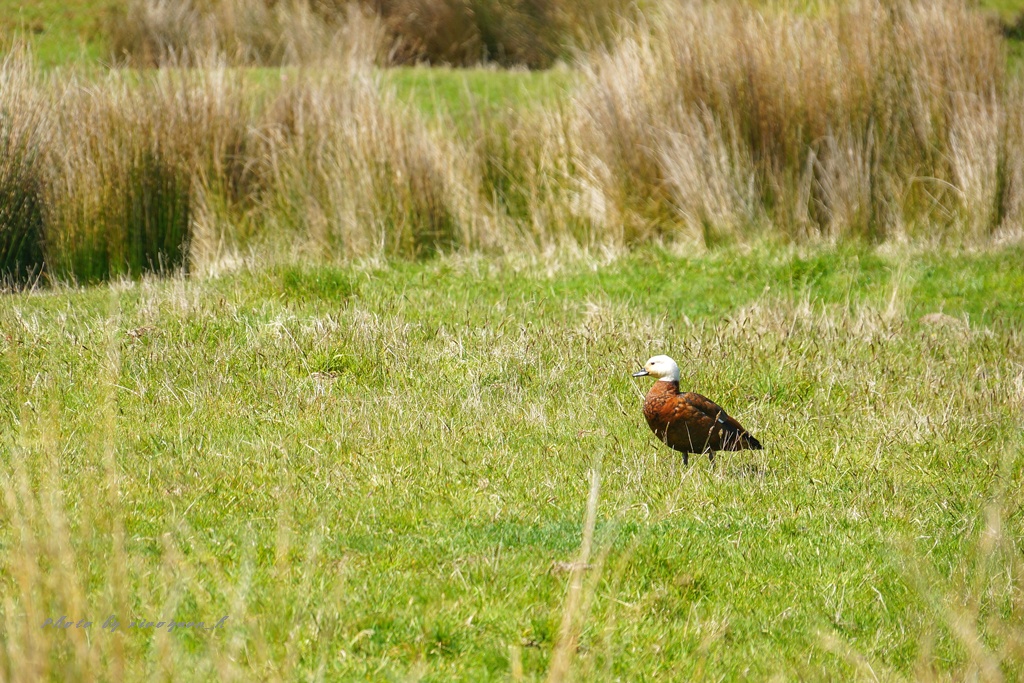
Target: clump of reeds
column 708, row 123
column 507, row 32
column 529, row 171
column 358, row 173
column 24, row 134
column 132, row 156
column 458, row 32
column 868, row 119
column 157, row 171
column 151, row 32
column 455, row 32
column 123, row 202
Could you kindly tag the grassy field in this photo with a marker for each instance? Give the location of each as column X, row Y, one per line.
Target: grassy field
column 61, row 31
column 463, row 94
column 381, row 471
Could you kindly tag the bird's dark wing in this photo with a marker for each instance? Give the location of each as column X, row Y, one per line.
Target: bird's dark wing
column 687, row 428
column 727, row 434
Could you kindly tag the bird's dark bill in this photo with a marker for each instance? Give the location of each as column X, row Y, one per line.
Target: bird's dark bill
column 642, row 373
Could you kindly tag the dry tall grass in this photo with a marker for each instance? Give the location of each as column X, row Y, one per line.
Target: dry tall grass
column 172, row 168
column 150, row 32
column 711, row 122
column 531, row 176
column 869, row 119
column 24, row 135
column 133, row 155
column 361, row 174
column 460, row 32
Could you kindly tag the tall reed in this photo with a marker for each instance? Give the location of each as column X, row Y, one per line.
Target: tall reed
column 868, row 119
column 132, row 155
column 24, row 135
column 708, row 123
column 358, row 173
column 530, row 173
column 458, row 32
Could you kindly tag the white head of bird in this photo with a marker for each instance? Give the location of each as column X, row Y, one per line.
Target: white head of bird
column 662, row 367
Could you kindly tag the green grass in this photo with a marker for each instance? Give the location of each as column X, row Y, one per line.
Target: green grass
column 464, row 93
column 380, row 471
column 59, row 31
column 1006, row 9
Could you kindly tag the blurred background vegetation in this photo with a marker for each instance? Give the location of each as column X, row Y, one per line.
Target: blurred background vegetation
column 410, row 128
column 526, row 33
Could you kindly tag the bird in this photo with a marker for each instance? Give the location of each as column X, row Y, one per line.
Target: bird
column 688, row 422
